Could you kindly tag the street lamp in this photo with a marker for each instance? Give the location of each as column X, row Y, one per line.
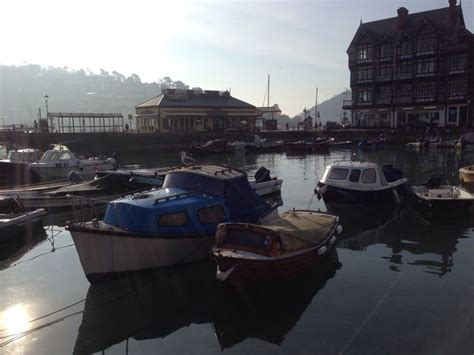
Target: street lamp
column 46, row 102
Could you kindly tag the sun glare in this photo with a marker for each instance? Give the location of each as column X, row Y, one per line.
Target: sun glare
column 15, row 319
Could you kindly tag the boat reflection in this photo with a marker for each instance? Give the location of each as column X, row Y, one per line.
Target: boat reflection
column 152, row 305
column 13, row 249
column 411, row 241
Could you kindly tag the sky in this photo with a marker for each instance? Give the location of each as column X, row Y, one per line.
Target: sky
column 217, row 45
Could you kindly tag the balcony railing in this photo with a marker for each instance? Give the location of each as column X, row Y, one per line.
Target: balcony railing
column 346, row 103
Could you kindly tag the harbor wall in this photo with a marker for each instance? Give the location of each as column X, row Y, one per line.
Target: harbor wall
column 96, row 143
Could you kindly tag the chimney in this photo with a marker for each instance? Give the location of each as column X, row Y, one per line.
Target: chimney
column 402, row 17
column 452, row 11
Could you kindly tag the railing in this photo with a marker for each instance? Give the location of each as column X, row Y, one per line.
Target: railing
column 85, row 208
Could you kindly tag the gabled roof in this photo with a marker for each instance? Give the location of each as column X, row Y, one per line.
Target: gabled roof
column 196, row 99
column 438, row 19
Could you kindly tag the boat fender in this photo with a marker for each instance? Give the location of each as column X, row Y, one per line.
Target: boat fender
column 321, row 189
column 396, row 197
column 223, row 275
column 322, row 250
column 332, row 240
column 339, row 229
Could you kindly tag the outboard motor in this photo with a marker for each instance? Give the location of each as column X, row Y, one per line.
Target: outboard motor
column 262, row 175
column 74, row 177
column 433, row 183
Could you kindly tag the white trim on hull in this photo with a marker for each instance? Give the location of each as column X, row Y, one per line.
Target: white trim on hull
column 49, row 172
column 101, row 253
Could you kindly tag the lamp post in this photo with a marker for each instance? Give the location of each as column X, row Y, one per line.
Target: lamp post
column 46, row 102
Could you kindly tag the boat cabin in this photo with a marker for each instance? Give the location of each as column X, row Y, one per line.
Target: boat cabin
column 60, row 155
column 192, row 200
column 25, row 156
column 360, row 174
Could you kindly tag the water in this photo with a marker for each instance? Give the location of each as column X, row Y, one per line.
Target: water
column 396, row 284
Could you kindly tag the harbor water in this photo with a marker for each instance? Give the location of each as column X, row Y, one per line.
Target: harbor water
column 396, row 284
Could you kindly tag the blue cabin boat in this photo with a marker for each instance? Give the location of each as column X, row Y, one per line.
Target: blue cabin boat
column 169, row 226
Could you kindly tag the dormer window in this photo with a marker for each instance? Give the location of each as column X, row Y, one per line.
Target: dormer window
column 386, row 51
column 426, row 44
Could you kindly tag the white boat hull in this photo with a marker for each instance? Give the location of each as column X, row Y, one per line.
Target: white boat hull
column 267, row 187
column 53, row 172
column 109, row 253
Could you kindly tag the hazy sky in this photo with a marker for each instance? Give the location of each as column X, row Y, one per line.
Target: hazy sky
column 212, row 44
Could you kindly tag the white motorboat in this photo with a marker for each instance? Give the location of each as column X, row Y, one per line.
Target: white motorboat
column 60, row 161
column 14, row 218
column 361, row 183
column 439, row 201
column 15, row 169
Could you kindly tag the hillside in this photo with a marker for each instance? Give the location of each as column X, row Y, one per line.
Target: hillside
column 22, row 91
column 330, row 110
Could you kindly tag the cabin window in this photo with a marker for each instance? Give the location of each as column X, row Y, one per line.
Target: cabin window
column 54, row 156
column 355, row 175
column 173, row 219
column 14, row 156
column 369, row 176
column 338, row 174
column 30, row 157
column 65, row 156
column 213, row 214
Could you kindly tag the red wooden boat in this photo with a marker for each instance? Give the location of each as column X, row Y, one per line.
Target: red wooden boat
column 280, row 249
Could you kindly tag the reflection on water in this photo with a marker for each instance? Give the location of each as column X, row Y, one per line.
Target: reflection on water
column 403, row 282
column 156, row 304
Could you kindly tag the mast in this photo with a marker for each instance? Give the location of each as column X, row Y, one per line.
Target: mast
column 316, row 111
column 268, row 91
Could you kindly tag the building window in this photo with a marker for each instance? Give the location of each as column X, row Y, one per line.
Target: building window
column 166, row 123
column 403, row 90
column 404, row 69
column 457, row 89
column 426, row 44
column 386, row 51
column 402, row 119
column 365, row 95
column 457, row 63
column 425, row 91
column 385, row 92
column 452, row 115
column 407, row 47
column 427, row 66
column 365, row 74
column 365, row 52
column 385, row 71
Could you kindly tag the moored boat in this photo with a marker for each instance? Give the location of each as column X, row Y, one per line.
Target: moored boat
column 15, row 169
column 436, row 201
column 58, row 162
column 361, row 183
column 262, row 144
column 14, row 218
column 170, row 226
column 278, row 249
column 466, row 174
column 212, row 146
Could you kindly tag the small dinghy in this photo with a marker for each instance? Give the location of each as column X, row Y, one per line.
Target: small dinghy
column 14, row 218
column 264, row 184
column 279, row 249
column 439, row 201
